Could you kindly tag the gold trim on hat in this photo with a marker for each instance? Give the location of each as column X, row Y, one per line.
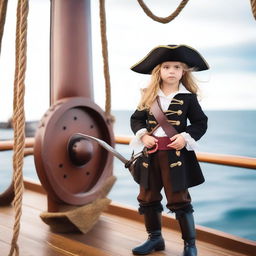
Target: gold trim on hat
column 170, row 47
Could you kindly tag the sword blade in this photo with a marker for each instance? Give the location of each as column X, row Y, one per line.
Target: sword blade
column 104, row 145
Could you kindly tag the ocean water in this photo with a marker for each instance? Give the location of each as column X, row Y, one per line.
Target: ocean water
column 226, row 201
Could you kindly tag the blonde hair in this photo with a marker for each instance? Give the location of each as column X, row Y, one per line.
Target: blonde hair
column 149, row 93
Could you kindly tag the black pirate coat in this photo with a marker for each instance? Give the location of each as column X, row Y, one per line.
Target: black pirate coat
column 184, row 167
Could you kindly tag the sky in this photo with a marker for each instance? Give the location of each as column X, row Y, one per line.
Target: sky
column 224, row 32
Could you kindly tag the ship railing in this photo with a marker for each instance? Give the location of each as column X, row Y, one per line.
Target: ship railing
column 214, row 158
column 222, row 159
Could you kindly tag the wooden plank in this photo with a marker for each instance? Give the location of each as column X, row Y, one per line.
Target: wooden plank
column 204, row 234
column 27, row 246
column 72, row 247
column 116, row 233
column 227, row 241
column 35, row 235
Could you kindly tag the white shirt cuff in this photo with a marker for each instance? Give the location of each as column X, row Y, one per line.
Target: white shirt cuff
column 191, row 144
column 136, row 142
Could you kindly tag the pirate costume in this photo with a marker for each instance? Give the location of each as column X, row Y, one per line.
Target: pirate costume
column 173, row 170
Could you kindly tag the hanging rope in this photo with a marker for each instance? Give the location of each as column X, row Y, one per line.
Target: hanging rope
column 163, row 19
column 3, row 9
column 253, row 4
column 104, row 43
column 19, row 117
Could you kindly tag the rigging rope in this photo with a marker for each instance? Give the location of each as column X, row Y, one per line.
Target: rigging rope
column 163, row 19
column 19, row 117
column 253, row 4
column 3, row 9
column 104, row 42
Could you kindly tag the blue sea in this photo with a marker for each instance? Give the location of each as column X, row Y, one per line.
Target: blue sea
column 226, row 201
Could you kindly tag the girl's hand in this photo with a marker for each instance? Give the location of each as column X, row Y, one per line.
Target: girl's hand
column 148, row 141
column 178, row 142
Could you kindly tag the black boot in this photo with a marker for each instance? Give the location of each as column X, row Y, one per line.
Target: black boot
column 155, row 240
column 188, row 231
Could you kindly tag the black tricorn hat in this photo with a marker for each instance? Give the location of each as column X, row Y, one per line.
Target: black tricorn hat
column 162, row 53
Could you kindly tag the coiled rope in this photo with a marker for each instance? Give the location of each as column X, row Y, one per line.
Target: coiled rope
column 19, row 117
column 253, row 4
column 104, row 43
column 163, row 19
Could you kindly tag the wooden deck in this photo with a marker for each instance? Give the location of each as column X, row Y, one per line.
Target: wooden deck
column 118, row 230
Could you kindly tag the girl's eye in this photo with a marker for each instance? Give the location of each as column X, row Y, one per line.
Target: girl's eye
column 177, row 67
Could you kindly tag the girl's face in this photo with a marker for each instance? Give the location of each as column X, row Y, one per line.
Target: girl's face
column 171, row 72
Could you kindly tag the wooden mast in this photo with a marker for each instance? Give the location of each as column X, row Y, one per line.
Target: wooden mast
column 71, row 49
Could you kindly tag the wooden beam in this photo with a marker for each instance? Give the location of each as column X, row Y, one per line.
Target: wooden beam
column 8, row 144
column 222, row 159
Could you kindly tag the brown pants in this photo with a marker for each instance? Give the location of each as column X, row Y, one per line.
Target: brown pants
column 159, row 177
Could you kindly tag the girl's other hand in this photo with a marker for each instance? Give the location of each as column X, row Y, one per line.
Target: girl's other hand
column 148, row 141
column 178, row 142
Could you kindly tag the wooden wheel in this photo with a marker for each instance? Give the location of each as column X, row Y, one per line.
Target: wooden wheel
column 71, row 169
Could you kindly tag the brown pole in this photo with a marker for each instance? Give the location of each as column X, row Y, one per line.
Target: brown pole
column 71, row 50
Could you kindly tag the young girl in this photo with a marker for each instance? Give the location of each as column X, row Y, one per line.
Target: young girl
column 174, row 165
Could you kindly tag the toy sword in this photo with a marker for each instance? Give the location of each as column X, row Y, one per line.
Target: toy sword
column 114, row 152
